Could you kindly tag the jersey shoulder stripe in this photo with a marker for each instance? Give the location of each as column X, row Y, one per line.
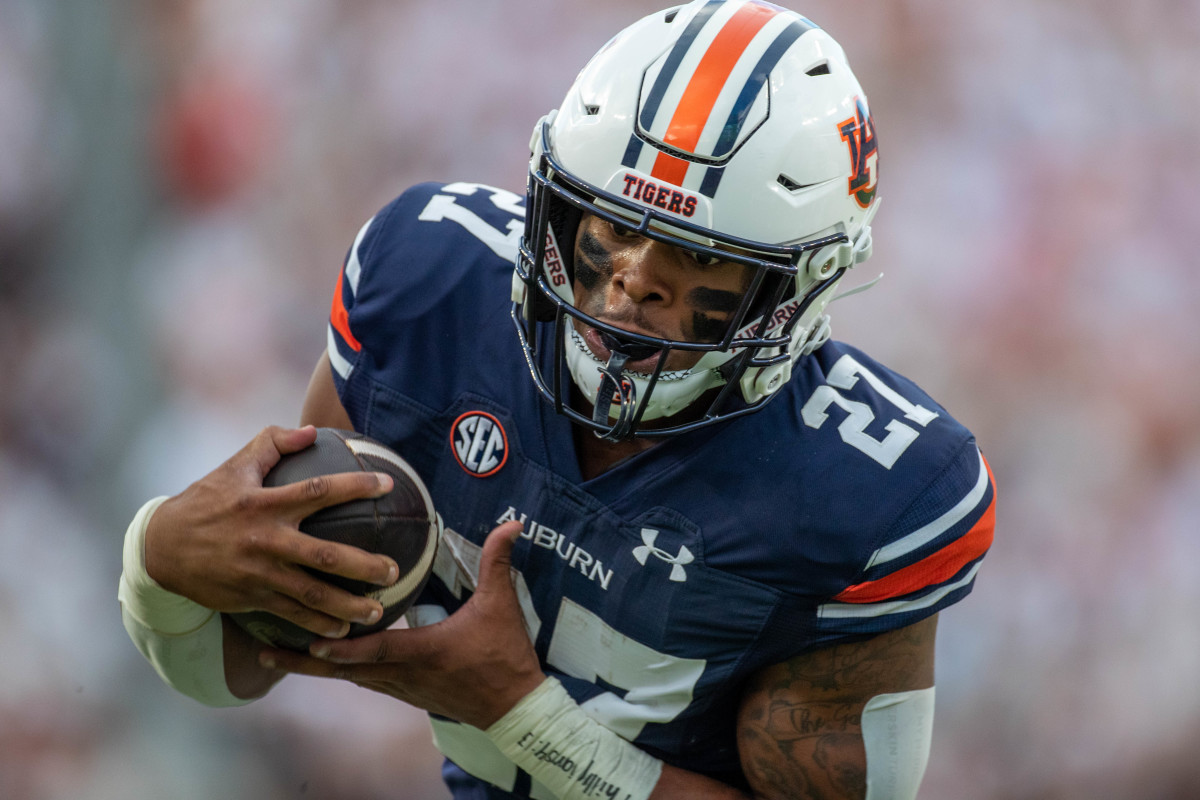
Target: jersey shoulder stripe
column 936, row 568
column 923, row 605
column 340, row 336
column 927, row 533
column 922, row 569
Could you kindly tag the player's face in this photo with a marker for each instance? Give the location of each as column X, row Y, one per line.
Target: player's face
column 648, row 287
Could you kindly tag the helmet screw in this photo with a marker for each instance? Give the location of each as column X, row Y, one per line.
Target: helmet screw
column 827, row 266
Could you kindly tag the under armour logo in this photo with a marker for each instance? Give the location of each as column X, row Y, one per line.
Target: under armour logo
column 642, row 553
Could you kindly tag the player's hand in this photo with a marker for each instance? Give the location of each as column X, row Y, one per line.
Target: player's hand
column 472, row 667
column 230, row 544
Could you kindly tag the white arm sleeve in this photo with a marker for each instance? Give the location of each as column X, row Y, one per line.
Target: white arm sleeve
column 182, row 640
column 549, row 736
column 897, row 730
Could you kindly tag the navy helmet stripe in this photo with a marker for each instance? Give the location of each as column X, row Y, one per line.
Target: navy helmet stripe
column 758, row 77
column 632, row 151
column 674, row 58
column 712, row 179
column 741, row 108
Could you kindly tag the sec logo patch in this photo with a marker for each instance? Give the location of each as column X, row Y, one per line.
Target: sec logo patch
column 479, row 443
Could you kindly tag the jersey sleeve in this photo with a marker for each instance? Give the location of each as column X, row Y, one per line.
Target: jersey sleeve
column 396, row 274
column 928, row 558
column 411, row 285
column 351, row 314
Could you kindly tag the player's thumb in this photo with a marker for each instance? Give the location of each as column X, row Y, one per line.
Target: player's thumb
column 497, row 559
column 264, row 450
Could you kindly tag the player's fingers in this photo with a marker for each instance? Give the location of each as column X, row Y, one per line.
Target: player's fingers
column 335, row 558
column 325, row 599
column 497, row 559
column 271, row 443
column 384, row 647
column 306, row 617
column 321, row 491
column 302, row 664
column 291, row 440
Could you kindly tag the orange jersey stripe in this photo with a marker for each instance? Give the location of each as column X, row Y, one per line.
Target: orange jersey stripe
column 939, row 567
column 705, row 86
column 340, row 318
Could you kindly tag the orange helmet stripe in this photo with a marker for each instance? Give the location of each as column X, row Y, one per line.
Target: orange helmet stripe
column 696, row 104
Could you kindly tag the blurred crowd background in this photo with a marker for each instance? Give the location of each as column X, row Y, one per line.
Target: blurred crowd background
column 179, row 182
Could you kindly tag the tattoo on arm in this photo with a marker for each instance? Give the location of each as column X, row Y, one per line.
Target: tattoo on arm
column 800, row 725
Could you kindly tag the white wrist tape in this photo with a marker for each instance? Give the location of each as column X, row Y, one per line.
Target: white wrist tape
column 182, row 640
column 896, row 730
column 549, row 736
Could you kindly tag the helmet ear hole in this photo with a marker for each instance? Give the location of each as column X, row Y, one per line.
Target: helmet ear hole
column 825, row 262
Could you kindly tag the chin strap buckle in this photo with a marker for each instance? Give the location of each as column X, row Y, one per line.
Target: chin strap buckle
column 615, row 387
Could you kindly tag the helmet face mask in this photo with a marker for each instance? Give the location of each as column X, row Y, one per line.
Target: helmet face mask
column 796, row 241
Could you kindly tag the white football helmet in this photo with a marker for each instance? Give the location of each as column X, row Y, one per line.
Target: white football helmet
column 733, row 128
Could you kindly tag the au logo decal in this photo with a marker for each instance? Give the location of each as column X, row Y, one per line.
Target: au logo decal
column 858, row 132
column 479, row 443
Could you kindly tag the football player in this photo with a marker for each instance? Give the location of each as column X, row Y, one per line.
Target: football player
column 693, row 547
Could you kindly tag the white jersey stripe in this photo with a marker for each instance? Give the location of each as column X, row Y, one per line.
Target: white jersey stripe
column 851, row 610
column 353, row 271
column 340, row 365
column 927, row 533
column 353, row 265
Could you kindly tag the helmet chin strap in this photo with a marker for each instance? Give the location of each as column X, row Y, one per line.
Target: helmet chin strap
column 613, row 384
column 857, row 289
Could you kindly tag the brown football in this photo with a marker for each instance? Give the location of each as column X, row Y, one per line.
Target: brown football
column 402, row 524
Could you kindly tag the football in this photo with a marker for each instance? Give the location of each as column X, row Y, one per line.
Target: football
column 401, row 524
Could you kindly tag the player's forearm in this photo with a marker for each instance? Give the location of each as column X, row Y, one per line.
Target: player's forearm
column 677, row 784
column 192, row 648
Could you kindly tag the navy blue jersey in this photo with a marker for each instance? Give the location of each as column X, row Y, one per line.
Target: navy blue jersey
column 849, row 505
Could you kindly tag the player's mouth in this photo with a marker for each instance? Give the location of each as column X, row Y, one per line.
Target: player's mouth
column 643, row 358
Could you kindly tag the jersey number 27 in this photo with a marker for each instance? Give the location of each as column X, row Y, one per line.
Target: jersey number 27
column 853, row 429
